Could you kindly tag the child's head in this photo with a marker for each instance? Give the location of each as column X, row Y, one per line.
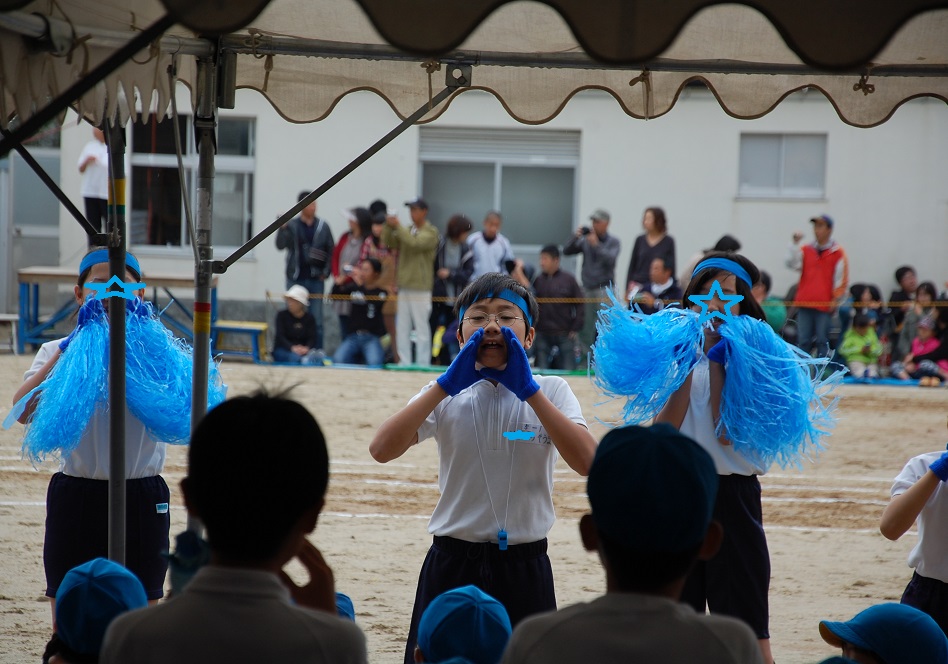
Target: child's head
column 652, row 491
column 861, row 323
column 94, row 268
column 464, row 622
column 736, row 275
column 550, row 259
column 88, row 599
column 371, row 269
column 492, row 301
column 890, row 633
column 297, row 299
column 926, row 293
column 257, row 473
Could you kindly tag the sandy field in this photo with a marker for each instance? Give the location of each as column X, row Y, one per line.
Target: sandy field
column 829, row 560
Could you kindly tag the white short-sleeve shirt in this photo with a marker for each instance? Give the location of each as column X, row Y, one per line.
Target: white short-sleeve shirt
column 479, row 467
column 699, row 425
column 144, row 457
column 95, row 179
column 929, row 557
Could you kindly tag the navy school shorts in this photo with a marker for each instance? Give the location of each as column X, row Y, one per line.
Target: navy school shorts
column 736, row 581
column 77, row 528
column 928, row 595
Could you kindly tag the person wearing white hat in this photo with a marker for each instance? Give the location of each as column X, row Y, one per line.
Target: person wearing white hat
column 295, row 341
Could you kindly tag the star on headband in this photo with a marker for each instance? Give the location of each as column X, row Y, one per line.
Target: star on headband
column 704, row 300
column 102, row 290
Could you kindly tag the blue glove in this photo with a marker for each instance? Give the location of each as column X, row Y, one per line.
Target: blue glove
column 89, row 311
column 462, row 374
column 718, row 352
column 517, row 377
column 940, row 467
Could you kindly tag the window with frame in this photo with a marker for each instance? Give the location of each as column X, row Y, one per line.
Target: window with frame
column 156, row 207
column 782, row 166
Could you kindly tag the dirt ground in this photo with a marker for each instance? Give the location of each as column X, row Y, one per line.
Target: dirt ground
column 829, row 560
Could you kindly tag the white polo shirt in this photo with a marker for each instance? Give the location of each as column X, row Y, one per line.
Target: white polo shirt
column 699, row 425
column 480, row 467
column 929, row 557
column 144, row 457
column 95, row 179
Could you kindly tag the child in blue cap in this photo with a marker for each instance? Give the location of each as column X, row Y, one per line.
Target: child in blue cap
column 464, row 623
column 889, row 633
column 499, row 431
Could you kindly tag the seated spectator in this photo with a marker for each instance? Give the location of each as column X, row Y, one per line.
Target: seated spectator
column 725, row 243
column 923, row 306
column 901, row 300
column 861, row 348
column 867, row 300
column 366, row 324
column 929, row 373
column 659, row 291
column 774, row 308
column 464, row 623
column 295, row 339
column 940, row 353
column 559, row 323
column 89, row 598
column 652, row 492
column 888, row 634
column 257, row 475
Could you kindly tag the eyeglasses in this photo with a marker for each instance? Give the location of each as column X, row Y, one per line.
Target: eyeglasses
column 481, row 320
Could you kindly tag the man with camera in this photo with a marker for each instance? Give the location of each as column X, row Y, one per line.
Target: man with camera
column 309, row 244
column 600, row 251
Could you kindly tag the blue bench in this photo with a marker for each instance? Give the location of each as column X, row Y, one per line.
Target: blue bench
column 252, row 329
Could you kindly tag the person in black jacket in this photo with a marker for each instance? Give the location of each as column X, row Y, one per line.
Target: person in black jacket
column 295, row 341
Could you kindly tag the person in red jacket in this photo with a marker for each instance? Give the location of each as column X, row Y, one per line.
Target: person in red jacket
column 824, row 279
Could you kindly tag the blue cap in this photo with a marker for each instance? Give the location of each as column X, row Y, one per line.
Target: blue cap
column 464, row 622
column 825, row 218
column 89, row 598
column 896, row 633
column 652, row 489
column 344, row 607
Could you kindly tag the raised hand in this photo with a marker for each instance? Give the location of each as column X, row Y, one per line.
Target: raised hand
column 462, row 374
column 718, row 352
column 517, row 376
column 320, row 592
column 90, row 310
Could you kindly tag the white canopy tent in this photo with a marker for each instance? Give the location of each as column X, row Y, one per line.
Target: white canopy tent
column 110, row 59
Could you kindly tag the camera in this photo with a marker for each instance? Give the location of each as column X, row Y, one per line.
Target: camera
column 585, row 230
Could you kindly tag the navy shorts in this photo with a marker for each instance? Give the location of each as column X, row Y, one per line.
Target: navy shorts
column 77, row 528
column 928, row 595
column 736, row 581
column 520, row 578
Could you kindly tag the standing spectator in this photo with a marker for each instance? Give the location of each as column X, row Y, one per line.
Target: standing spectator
column 724, row 243
column 345, row 259
column 94, row 166
column 660, row 290
column 774, row 308
column 454, row 264
column 824, row 279
column 366, row 325
column 309, row 244
column 242, row 606
column 901, row 300
column 491, row 248
column 375, row 248
column 416, row 247
column 861, row 348
column 295, row 338
column 559, row 323
column 654, row 243
column 600, row 251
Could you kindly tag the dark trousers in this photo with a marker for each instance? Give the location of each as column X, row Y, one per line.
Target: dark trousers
column 520, row 578
column 930, row 596
column 736, row 581
column 97, row 212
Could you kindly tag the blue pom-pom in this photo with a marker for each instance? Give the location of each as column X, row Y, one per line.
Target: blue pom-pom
column 776, row 405
column 75, row 387
column 159, row 371
column 643, row 359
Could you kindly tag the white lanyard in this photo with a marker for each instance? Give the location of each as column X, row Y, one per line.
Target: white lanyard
column 501, row 529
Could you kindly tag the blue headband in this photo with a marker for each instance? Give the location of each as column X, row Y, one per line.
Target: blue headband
column 102, row 256
column 505, row 294
column 725, row 264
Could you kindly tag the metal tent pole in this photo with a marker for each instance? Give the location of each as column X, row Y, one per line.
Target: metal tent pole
column 205, row 123
column 115, row 137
